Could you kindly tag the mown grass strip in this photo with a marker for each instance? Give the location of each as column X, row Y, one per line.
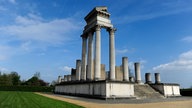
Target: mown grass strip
column 13, row 99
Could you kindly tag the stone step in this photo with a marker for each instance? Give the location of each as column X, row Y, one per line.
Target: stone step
column 146, row 91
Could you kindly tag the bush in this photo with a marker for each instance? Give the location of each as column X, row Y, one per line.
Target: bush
column 27, row 88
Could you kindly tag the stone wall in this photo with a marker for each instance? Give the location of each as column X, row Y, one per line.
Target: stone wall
column 100, row 89
column 167, row 89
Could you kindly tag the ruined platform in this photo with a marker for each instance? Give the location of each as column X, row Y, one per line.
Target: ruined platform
column 97, row 89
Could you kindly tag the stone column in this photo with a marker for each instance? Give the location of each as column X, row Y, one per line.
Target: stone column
column 78, row 70
column 65, row 78
column 112, row 53
column 68, row 77
column 59, row 79
column 148, row 78
column 73, row 74
column 90, row 57
column 97, row 67
column 131, row 79
column 157, row 78
column 137, row 73
column 83, row 58
column 125, row 69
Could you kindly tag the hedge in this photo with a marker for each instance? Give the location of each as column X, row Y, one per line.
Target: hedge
column 27, row 88
column 186, row 92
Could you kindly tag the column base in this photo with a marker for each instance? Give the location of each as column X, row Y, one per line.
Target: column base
column 112, row 79
column 138, row 82
column 148, row 82
column 89, row 80
column 126, row 80
column 96, row 79
column 157, row 82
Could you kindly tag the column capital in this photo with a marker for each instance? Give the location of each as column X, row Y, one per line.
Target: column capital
column 98, row 27
column 111, row 30
column 84, row 36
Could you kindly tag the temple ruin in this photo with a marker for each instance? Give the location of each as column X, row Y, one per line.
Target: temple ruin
column 90, row 78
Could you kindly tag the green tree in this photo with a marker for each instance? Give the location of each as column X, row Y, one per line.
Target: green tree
column 36, row 81
column 15, row 78
column 5, row 80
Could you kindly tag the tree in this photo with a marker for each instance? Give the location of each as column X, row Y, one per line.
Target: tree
column 33, row 81
column 36, row 81
column 5, row 80
column 15, row 78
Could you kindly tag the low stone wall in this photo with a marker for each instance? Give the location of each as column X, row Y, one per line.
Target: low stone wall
column 99, row 89
column 167, row 90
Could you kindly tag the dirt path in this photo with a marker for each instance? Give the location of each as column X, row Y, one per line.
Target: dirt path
column 175, row 104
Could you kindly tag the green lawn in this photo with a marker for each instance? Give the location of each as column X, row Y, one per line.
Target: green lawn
column 13, row 99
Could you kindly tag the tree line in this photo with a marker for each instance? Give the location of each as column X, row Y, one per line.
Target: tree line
column 13, row 79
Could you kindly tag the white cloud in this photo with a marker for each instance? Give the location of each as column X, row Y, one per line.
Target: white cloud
column 121, row 51
column 124, row 51
column 34, row 28
column 66, row 69
column 177, row 71
column 187, row 39
column 32, row 32
column 182, row 64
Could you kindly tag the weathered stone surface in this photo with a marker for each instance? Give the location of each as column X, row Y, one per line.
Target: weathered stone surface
column 99, row 89
column 103, row 72
column 119, row 73
column 73, row 74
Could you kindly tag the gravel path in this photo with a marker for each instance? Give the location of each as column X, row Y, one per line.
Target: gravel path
column 177, row 102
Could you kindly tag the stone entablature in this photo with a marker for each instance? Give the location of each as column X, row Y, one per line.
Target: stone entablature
column 98, row 16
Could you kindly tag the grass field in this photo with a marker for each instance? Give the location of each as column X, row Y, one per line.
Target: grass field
column 13, row 99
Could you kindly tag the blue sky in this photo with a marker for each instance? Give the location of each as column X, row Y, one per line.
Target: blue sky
column 44, row 36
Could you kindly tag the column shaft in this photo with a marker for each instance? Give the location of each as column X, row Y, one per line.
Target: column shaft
column 125, row 69
column 83, row 58
column 137, row 73
column 97, row 67
column 157, row 78
column 59, row 79
column 65, row 78
column 78, row 70
column 112, row 54
column 90, row 57
column 148, row 78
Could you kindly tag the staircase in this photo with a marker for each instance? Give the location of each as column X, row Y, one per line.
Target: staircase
column 145, row 91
